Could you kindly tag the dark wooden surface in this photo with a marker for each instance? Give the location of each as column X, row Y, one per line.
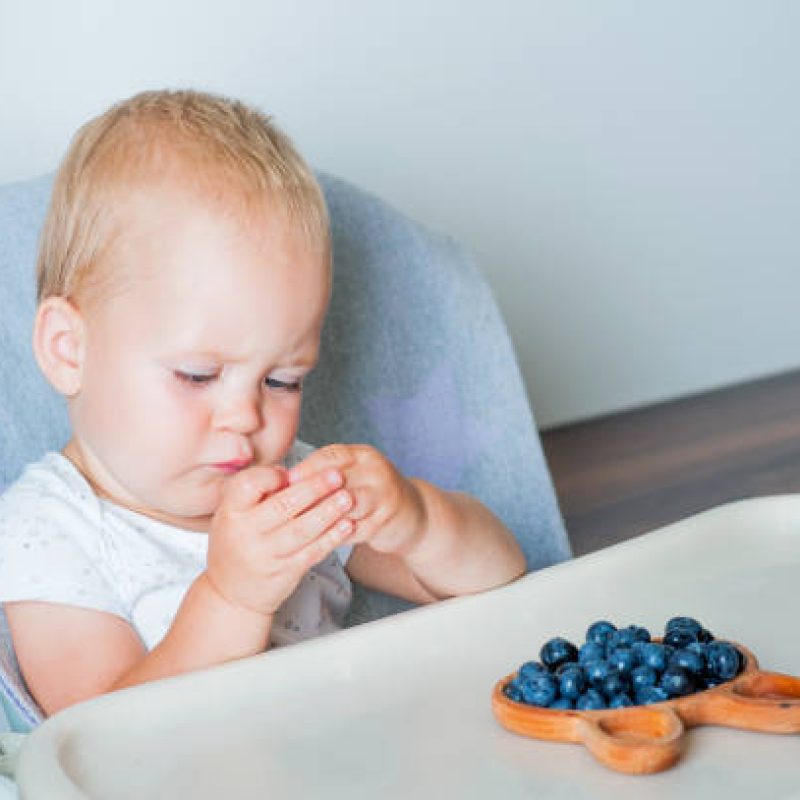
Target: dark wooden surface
column 626, row 474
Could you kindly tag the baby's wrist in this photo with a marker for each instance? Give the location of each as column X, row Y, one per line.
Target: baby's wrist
column 438, row 541
column 231, row 603
column 417, row 527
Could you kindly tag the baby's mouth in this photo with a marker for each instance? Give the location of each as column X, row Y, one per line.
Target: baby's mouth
column 230, row 467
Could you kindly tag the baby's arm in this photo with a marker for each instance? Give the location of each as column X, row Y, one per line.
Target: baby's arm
column 265, row 536
column 68, row 654
column 413, row 539
column 463, row 547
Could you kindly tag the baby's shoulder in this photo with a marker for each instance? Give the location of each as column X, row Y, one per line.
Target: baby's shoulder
column 51, row 486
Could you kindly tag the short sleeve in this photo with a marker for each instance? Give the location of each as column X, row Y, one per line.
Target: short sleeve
column 52, row 549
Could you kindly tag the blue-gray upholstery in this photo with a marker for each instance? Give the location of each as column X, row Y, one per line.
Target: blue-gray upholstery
column 415, row 360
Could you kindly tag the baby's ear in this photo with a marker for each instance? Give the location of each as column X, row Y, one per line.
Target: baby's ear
column 58, row 344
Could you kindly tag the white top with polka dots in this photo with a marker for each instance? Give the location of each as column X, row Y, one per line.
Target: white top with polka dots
column 61, row 543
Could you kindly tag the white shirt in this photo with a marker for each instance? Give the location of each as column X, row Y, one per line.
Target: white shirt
column 61, row 543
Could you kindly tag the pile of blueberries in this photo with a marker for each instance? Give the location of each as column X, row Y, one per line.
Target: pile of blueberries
column 618, row 667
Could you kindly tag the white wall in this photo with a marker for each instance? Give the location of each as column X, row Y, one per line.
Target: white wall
column 626, row 173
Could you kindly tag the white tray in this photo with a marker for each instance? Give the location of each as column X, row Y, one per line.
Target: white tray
column 401, row 707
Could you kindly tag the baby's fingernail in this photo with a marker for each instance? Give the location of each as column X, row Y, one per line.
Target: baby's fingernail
column 333, row 477
column 343, row 526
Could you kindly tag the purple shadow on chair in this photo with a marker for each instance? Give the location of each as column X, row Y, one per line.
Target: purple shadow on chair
column 427, row 435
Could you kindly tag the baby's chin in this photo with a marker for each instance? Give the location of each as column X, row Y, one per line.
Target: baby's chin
column 189, row 505
column 201, row 524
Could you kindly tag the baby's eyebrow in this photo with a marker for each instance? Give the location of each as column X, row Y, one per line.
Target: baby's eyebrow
column 300, row 359
column 210, row 355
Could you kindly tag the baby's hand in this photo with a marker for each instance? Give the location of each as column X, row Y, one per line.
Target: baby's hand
column 388, row 510
column 266, row 534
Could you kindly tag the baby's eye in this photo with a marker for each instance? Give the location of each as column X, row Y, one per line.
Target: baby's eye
column 283, row 386
column 194, row 378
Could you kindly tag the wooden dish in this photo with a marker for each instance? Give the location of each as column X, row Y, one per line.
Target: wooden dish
column 644, row 739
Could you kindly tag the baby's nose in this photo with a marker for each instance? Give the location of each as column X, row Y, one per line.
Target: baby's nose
column 242, row 415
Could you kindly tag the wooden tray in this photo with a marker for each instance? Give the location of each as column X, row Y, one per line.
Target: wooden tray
column 644, row 739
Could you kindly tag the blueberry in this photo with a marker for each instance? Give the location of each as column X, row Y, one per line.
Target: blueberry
column 539, row 690
column 650, row 694
column 642, row 677
column 615, row 683
column 705, row 636
column 591, row 651
column 560, row 669
column 562, row 703
column 639, row 634
column 620, row 701
column 624, row 637
column 589, row 700
column 572, row 682
column 724, row 661
column 623, row 659
column 676, row 682
column 683, row 622
column 654, row 655
column 596, row 672
column 598, row 632
column 698, row 647
column 557, row 651
column 513, row 692
column 531, row 668
column 680, row 637
column 691, row 630
column 690, row 660
column 636, row 649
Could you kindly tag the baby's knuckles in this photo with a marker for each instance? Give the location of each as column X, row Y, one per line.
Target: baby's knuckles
column 371, row 458
column 399, row 514
column 338, row 455
column 390, row 503
column 344, row 456
column 287, row 503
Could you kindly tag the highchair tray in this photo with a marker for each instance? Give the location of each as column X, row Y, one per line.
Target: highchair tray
column 401, row 707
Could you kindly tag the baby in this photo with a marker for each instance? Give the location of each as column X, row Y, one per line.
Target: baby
column 184, row 274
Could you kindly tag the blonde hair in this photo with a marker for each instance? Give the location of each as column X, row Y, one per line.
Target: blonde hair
column 220, row 147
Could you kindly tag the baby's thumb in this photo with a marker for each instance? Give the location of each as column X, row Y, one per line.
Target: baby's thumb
column 249, row 486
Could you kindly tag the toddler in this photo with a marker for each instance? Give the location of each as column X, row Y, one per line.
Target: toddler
column 183, row 277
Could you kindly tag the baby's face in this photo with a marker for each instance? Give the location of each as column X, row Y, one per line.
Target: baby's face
column 197, row 361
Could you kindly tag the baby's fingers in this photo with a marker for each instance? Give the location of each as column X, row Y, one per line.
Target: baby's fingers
column 294, row 500
column 321, row 547
column 324, row 518
column 245, row 489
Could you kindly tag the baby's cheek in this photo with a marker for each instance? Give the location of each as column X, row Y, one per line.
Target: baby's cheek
column 172, row 427
column 280, row 423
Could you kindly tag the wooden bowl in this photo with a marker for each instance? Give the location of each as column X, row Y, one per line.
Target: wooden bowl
column 644, row 739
